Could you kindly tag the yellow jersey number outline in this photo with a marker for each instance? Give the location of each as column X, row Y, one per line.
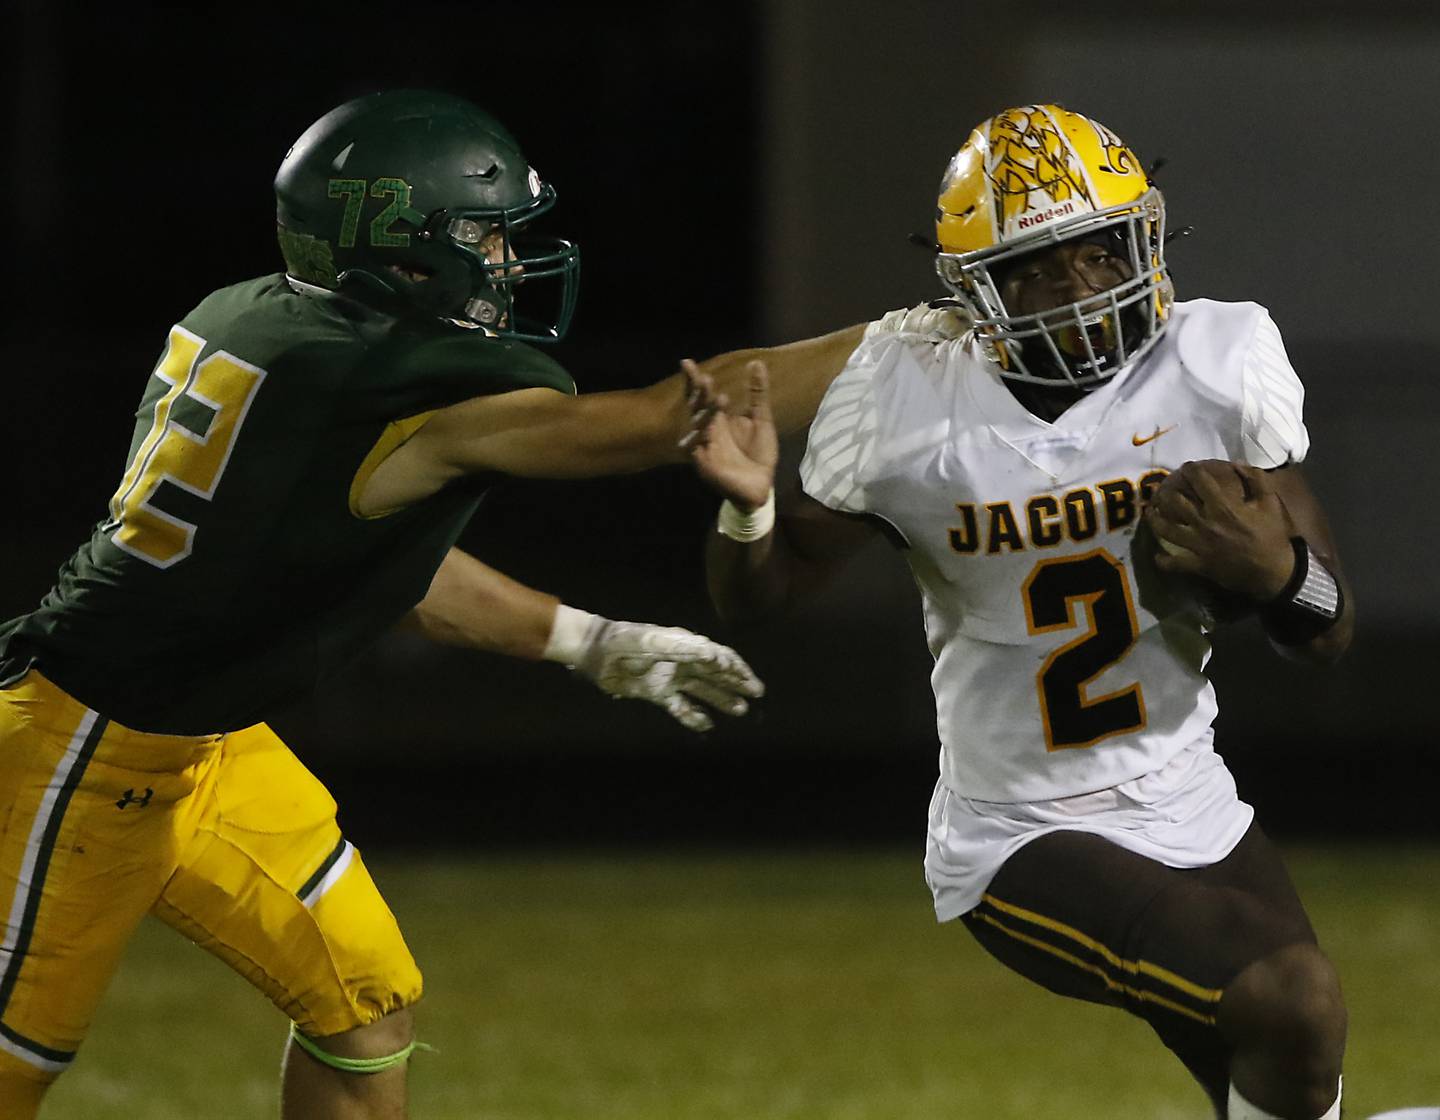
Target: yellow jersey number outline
column 1097, row 583
column 171, row 452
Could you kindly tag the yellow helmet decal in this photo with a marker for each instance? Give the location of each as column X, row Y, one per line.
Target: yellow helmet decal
column 1025, row 179
column 1027, row 167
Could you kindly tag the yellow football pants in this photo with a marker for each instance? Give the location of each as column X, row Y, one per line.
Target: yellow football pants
column 227, row 838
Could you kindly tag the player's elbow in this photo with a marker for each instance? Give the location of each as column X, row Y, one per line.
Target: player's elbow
column 1330, row 647
column 1325, row 649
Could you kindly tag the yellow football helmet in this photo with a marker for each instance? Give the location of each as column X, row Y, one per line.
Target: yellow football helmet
column 1026, row 179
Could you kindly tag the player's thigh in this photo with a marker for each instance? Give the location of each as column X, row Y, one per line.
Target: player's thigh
column 1088, row 918
column 1254, row 881
column 271, row 887
column 1058, row 910
column 91, row 818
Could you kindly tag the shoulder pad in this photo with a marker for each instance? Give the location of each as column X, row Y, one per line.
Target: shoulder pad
column 1212, row 339
column 415, row 370
column 880, row 410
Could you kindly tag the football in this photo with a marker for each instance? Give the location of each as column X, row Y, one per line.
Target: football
column 1223, row 472
column 1219, row 605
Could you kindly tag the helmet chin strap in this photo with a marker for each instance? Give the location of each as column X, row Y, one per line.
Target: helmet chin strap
column 401, row 291
column 486, row 310
column 382, row 293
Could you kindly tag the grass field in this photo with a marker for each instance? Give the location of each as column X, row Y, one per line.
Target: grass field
column 745, row 987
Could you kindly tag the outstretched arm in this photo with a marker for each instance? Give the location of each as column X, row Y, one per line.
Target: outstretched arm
column 471, row 604
column 798, row 374
column 541, row 433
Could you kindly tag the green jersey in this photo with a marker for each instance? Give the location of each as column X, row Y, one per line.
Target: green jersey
column 232, row 569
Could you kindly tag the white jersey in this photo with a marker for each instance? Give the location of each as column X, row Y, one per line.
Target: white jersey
column 1063, row 663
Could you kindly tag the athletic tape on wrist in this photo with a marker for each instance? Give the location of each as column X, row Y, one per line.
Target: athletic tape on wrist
column 570, row 635
column 1308, row 605
column 356, row 1065
column 747, row 527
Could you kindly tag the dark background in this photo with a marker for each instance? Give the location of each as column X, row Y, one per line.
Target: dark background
column 742, row 173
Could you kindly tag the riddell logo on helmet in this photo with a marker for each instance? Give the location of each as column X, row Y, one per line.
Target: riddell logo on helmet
column 1049, row 214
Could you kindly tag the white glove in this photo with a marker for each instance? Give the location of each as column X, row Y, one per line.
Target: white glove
column 934, row 324
column 665, row 665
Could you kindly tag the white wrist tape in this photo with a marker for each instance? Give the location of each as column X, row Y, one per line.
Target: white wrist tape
column 747, row 527
column 570, row 635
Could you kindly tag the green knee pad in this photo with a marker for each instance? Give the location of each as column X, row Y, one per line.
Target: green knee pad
column 356, row 1065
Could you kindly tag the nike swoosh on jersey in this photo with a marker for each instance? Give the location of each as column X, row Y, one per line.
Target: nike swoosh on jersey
column 1140, row 441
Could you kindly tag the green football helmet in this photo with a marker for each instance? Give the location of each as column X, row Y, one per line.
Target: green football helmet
column 395, row 198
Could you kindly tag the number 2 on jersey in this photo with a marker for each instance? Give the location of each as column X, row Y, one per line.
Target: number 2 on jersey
column 174, row 451
column 1095, row 582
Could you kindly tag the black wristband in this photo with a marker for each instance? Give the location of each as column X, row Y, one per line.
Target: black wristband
column 1308, row 605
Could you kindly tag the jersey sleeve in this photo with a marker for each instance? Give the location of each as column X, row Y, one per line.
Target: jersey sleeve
column 1272, row 424
column 842, row 437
